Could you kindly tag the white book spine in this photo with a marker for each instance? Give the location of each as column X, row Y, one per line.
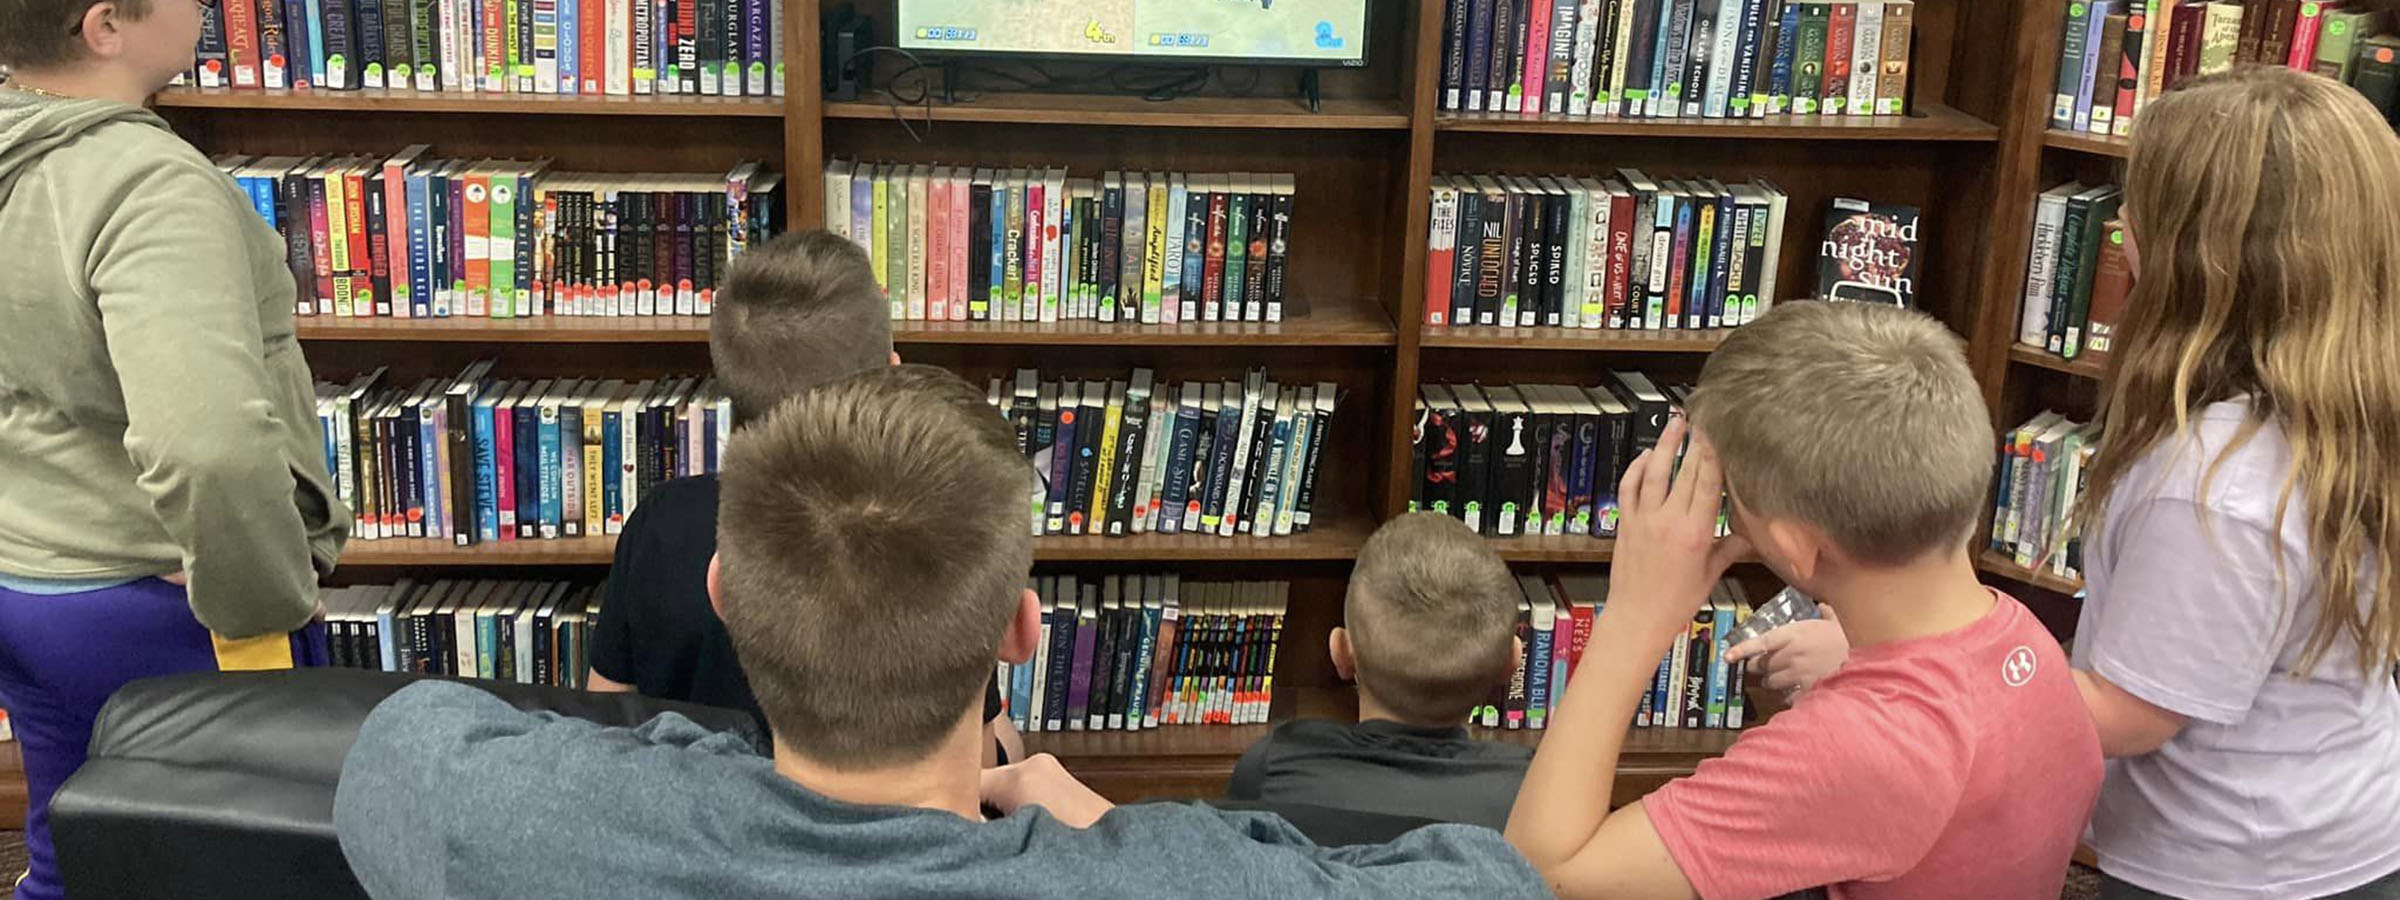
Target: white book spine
column 448, row 39
column 1721, row 61
column 1170, row 305
column 2033, row 323
column 1053, row 203
column 1570, row 307
column 1587, row 31
column 1595, row 258
column 1866, row 55
column 619, row 53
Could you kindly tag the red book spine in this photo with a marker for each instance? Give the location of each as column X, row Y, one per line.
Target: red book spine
column 1678, row 261
column 960, row 219
column 395, row 233
column 1441, row 260
column 362, row 253
column 1835, row 89
column 1620, row 258
column 2129, row 76
column 1212, row 279
column 1537, row 56
column 2187, row 49
column 2304, row 36
column 591, row 43
column 241, row 43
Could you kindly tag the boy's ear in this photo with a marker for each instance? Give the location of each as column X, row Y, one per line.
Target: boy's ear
column 100, row 34
column 1024, row 633
column 716, row 593
column 1337, row 646
column 1799, row 548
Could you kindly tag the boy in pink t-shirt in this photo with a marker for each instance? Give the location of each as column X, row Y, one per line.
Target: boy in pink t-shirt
column 1950, row 756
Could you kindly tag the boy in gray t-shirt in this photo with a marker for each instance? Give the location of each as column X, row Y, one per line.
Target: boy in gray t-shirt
column 867, row 593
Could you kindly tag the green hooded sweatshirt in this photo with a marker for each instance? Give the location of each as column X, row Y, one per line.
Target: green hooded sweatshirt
column 155, row 412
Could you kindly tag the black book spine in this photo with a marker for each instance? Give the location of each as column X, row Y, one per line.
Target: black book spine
column 1279, row 235
column 1103, row 670
column 399, row 48
column 1474, row 471
column 1111, row 262
column 1175, row 482
column 1128, row 460
column 1440, row 442
column 979, row 252
column 1204, row 450
column 1524, row 220
column 1254, row 480
column 1512, row 472
column 1696, row 59
column 1641, row 57
column 504, row 667
column 1608, row 466
column 1220, row 463
column 1554, row 259
column 379, row 262
column 525, row 239
column 2070, row 258
column 340, row 51
column 370, row 42
column 1479, row 55
column 412, row 478
column 1467, row 257
column 1062, row 653
column 210, row 60
column 460, row 434
column 1720, row 266
column 1497, row 259
column 293, row 212
column 1454, row 52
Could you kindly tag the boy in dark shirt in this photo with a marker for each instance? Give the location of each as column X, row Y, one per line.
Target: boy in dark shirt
column 1431, row 632
column 795, row 312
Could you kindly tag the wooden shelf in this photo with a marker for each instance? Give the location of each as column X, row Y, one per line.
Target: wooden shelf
column 2089, row 365
column 1356, row 322
column 1994, row 563
column 1560, row 548
column 465, row 102
column 2085, row 142
column 1196, row 761
column 1933, row 123
column 1603, row 339
column 1338, row 539
column 1027, row 108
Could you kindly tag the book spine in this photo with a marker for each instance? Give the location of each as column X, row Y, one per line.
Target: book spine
column 368, row 42
column 1676, row 59
column 1811, row 58
column 2062, row 285
column 399, row 45
column 274, row 60
column 241, row 43
column 1559, row 41
column 1590, row 48
column 1787, row 44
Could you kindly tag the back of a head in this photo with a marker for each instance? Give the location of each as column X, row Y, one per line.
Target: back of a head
column 1860, row 420
column 2264, row 204
column 871, row 548
column 45, row 34
column 796, row 312
column 1430, row 612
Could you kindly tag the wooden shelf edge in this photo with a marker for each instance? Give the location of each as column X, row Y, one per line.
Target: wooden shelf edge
column 1990, row 562
column 1574, row 339
column 1246, row 113
column 1560, row 548
column 2083, row 142
column 1335, row 541
column 1356, row 322
column 2086, row 366
column 378, row 100
column 1934, row 124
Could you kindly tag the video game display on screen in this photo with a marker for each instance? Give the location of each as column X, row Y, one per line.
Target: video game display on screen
column 1321, row 32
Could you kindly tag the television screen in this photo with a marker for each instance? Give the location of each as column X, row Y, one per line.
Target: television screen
column 1300, row 32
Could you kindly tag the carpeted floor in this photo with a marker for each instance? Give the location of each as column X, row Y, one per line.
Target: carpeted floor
column 2082, row 883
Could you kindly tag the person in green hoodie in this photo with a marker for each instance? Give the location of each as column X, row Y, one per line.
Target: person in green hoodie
column 164, row 505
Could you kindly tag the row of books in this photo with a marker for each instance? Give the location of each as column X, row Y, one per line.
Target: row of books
column 1534, row 459
column 731, row 48
column 474, row 459
column 2115, row 55
column 2040, row 489
column 1119, row 457
column 410, row 236
column 1623, row 252
column 2077, row 277
column 1695, row 686
column 1677, row 58
column 953, row 243
column 528, row 632
column 1133, row 652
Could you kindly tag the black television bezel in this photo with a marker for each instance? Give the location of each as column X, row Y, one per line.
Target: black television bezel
column 1365, row 51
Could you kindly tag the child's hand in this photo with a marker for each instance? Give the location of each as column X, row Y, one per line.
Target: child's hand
column 1668, row 555
column 1041, row 781
column 1795, row 657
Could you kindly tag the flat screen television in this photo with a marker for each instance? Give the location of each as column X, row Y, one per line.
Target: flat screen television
column 1272, row 32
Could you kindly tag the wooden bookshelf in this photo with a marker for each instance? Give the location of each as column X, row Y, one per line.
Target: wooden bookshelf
column 1256, row 112
column 1933, row 123
column 2093, row 366
column 2085, row 142
column 407, row 101
column 1574, row 548
column 1195, row 761
column 1353, row 322
column 1601, row 340
column 1993, row 562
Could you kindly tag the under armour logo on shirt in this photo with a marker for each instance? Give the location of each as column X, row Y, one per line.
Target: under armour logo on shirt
column 2018, row 667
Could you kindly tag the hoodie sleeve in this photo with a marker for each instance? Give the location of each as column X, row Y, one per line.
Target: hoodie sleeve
column 171, row 271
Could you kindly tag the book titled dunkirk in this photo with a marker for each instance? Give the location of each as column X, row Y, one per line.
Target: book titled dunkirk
column 1869, row 253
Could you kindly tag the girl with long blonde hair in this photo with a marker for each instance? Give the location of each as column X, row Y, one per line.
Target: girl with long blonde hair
column 2237, row 644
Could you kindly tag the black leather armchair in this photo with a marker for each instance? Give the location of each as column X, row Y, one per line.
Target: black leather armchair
column 212, row 786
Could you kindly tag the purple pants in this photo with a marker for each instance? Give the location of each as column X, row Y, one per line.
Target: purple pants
column 62, row 656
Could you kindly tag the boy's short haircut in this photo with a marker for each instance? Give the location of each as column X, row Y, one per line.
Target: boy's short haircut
column 795, row 312
column 871, row 549
column 1859, row 419
column 1430, row 612
column 39, row 34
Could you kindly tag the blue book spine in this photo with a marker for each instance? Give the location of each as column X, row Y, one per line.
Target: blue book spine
column 1695, row 269
column 1659, row 714
column 420, row 251
column 487, row 513
column 369, row 63
column 754, row 48
column 429, row 469
column 1558, row 667
column 487, row 645
column 1658, row 99
column 262, row 197
column 1000, row 251
column 300, row 27
column 862, row 212
column 321, row 75
column 1718, row 671
column 1175, row 482
column 325, row 430
column 437, row 243
column 708, row 439
column 1537, row 677
column 1195, row 255
column 549, row 488
column 1583, row 477
column 612, row 460
column 2091, row 61
column 1720, row 266
column 1020, row 692
column 388, row 638
column 1746, row 65
column 1219, row 468
column 1779, row 78
column 526, row 448
column 570, row 60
